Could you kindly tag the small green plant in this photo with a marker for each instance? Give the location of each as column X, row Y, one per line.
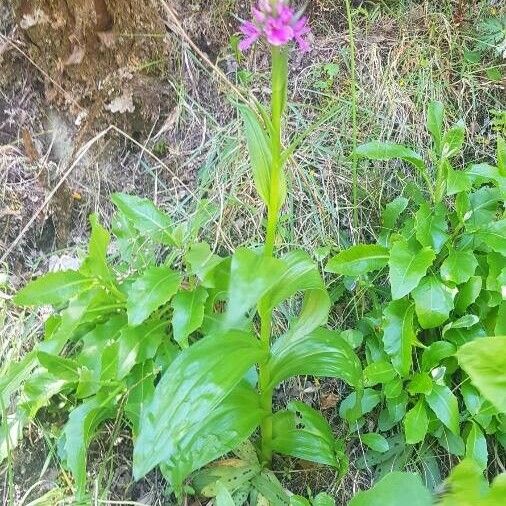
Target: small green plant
column 445, row 257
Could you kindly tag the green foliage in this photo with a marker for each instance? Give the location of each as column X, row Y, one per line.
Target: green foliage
column 426, row 346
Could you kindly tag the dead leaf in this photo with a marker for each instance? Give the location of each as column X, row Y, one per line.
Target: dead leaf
column 76, row 57
column 107, row 38
column 122, row 104
column 37, row 17
column 329, row 401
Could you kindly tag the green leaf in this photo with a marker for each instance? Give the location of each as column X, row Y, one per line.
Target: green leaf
column 393, row 490
column 203, row 263
column 435, row 115
column 390, row 216
column 378, row 372
column 483, row 205
column 399, row 335
column 141, row 388
column 484, row 360
column 421, row 383
column 459, row 266
column 457, row 181
column 375, row 442
column 60, row 367
column 476, row 446
column 387, row 151
column 482, row 173
column 303, row 432
column 433, row 302
column 431, row 226
column 188, row 396
column 359, row 260
column 445, row 406
column 454, row 139
column 54, row 288
column 155, row 287
column 370, row 399
column 138, row 344
column 188, row 313
column 468, row 293
column 393, row 388
column 322, row 353
column 259, row 152
column 494, row 236
column 145, row 217
column 407, row 267
column 501, row 156
column 95, row 264
column 416, row 423
column 223, row 497
column 78, row 432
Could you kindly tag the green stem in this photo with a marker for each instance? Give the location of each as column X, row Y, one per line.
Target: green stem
column 278, row 102
column 354, row 159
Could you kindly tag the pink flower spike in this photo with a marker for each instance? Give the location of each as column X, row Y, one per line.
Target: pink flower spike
column 259, row 15
column 300, row 29
column 251, row 33
column 278, row 33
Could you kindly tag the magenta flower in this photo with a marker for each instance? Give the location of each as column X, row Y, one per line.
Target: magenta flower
column 278, row 22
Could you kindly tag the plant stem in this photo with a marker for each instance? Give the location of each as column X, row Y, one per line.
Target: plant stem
column 278, row 101
column 354, row 160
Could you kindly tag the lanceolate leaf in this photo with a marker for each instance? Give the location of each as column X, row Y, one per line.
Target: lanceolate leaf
column 375, row 442
column 95, row 264
column 155, row 287
column 145, row 217
column 189, row 393
column 188, row 313
column 303, row 432
column 476, row 446
column 416, row 423
column 399, row 335
column 141, row 387
column 445, row 406
column 433, row 302
column 322, row 353
column 358, row 260
column 55, row 288
column 407, row 267
column 435, row 115
column 484, row 360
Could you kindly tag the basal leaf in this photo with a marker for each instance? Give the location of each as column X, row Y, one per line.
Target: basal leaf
column 145, row 217
column 303, row 432
column 444, row 404
column 188, row 395
column 359, row 260
column 399, row 334
column 141, row 387
column 155, row 287
column 407, row 267
column 188, row 313
column 54, row 288
column 433, row 302
column 459, row 266
column 484, row 360
column 431, row 226
column 321, row 353
column 416, row 423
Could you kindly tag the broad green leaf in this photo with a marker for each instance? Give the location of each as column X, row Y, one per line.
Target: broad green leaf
column 431, row 226
column 303, row 432
column 203, row 263
column 483, row 205
column 359, row 260
column 407, row 267
column 399, row 335
column 421, row 383
column 444, row 404
column 387, row 151
column 145, row 217
column 141, row 387
column 484, row 360
column 500, row 326
column 472, row 399
column 453, row 140
column 378, row 372
column 494, row 236
column 482, row 173
column 452, row 443
column 375, row 442
column 59, row 367
column 322, row 353
column 435, row 115
column 416, row 423
column 476, row 446
column 269, row 489
column 78, row 432
column 223, row 496
column 95, row 264
column 393, row 388
column 154, row 288
column 138, row 344
column 370, row 399
column 391, row 214
column 501, row 156
column 259, row 152
column 188, row 395
column 54, row 288
column 394, row 412
column 459, row 266
column 457, row 181
column 468, row 293
column 393, row 490
column 252, row 275
column 433, row 302
column 496, row 267
column 353, row 337
column 188, row 313
column 464, row 322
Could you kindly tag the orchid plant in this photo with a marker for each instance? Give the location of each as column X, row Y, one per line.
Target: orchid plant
column 191, row 356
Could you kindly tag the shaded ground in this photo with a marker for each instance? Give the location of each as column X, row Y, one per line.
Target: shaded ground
column 183, row 141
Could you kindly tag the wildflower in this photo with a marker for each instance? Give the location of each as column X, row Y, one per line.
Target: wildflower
column 278, row 22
